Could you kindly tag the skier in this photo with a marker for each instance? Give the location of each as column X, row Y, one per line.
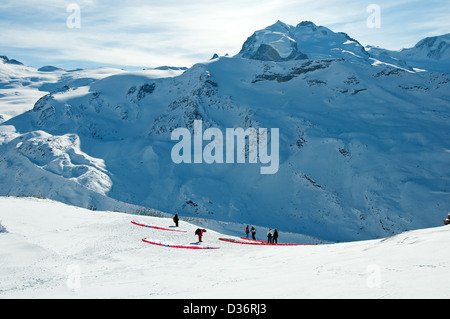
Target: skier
column 275, row 236
column 176, row 219
column 269, row 236
column 199, row 232
column 447, row 220
column 253, row 233
column 247, row 231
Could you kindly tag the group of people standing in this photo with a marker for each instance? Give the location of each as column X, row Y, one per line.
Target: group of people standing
column 272, row 238
column 253, row 231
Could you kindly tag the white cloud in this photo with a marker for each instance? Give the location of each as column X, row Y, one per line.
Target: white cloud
column 152, row 33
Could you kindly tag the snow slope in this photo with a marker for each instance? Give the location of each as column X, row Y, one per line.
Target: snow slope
column 51, row 250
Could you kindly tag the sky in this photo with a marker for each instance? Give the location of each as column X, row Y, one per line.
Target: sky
column 147, row 33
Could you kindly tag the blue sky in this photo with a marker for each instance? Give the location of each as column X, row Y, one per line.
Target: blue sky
column 148, row 33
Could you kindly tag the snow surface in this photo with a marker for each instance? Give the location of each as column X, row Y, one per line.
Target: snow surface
column 51, row 250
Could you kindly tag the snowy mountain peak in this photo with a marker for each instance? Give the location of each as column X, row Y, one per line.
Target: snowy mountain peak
column 283, row 42
column 429, row 54
column 309, row 24
column 436, row 48
column 279, row 24
column 274, row 43
column 308, row 28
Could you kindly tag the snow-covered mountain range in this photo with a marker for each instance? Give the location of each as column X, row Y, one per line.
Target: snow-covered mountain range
column 364, row 135
column 431, row 54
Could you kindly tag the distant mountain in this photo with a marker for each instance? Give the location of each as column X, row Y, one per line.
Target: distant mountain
column 364, row 138
column 282, row 42
column 49, row 68
column 21, row 86
column 176, row 68
column 432, row 48
column 4, row 59
column 430, row 54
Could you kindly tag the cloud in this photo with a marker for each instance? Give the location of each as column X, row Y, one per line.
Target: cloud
column 175, row 32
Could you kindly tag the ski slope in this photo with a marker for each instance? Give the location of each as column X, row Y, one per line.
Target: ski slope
column 52, row 250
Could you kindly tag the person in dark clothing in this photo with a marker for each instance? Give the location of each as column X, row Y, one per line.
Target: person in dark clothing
column 275, row 237
column 253, row 230
column 175, row 220
column 269, row 236
column 199, row 232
